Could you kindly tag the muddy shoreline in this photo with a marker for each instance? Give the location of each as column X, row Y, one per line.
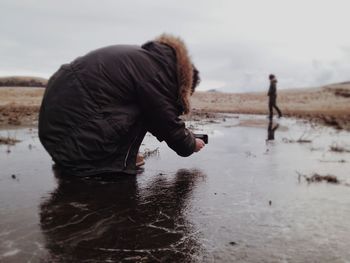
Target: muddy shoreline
column 19, row 116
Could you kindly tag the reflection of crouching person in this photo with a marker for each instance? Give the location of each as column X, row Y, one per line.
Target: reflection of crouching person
column 96, row 110
column 272, row 93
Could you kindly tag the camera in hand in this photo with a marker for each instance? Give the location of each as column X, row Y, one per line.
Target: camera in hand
column 203, row 137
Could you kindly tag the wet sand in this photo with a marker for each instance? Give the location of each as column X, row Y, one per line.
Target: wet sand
column 239, row 200
column 327, row 105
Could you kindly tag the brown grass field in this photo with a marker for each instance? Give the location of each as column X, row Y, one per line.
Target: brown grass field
column 328, row 104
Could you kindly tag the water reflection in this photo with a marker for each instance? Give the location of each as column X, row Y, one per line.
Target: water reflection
column 94, row 220
column 271, row 131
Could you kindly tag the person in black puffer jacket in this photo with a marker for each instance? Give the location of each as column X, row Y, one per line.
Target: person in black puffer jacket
column 97, row 109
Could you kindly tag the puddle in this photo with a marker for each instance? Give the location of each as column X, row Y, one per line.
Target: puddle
column 239, row 200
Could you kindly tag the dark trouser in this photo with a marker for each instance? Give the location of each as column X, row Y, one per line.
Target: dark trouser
column 272, row 104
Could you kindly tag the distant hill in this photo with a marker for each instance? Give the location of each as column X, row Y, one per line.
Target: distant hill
column 22, row 81
column 345, row 83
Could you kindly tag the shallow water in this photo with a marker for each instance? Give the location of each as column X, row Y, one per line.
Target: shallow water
column 239, row 200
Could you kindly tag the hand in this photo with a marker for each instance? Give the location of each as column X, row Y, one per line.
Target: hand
column 199, row 145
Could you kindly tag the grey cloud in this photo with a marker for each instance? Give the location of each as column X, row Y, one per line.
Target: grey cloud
column 39, row 36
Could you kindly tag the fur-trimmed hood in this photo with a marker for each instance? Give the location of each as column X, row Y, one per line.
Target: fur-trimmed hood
column 184, row 67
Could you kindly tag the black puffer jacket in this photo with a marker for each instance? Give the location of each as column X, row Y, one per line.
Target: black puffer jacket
column 97, row 109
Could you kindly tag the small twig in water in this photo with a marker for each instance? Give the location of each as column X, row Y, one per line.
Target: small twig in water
column 8, row 140
column 318, row 178
column 149, row 153
column 337, row 148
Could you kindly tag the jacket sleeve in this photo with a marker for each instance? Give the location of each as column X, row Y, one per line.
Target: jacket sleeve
column 158, row 104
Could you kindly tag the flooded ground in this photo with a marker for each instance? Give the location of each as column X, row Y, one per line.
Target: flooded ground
column 242, row 199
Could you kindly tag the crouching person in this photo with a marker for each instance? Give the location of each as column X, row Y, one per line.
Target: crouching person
column 97, row 109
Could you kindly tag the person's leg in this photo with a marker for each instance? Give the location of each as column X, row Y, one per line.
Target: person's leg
column 278, row 110
column 270, row 108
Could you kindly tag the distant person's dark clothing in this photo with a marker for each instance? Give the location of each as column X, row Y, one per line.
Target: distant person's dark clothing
column 271, row 131
column 273, row 97
column 97, row 109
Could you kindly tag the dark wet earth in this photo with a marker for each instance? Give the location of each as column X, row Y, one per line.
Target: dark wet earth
column 239, row 200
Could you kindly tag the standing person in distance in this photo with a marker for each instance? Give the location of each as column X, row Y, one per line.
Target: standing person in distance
column 272, row 93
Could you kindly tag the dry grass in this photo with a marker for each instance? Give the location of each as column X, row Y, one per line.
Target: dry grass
column 339, row 149
column 322, row 104
column 21, row 96
column 316, row 178
column 150, row 153
column 8, row 140
column 313, row 102
column 19, row 106
column 320, row 178
column 286, row 140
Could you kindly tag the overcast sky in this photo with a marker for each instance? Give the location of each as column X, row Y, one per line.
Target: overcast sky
column 234, row 43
